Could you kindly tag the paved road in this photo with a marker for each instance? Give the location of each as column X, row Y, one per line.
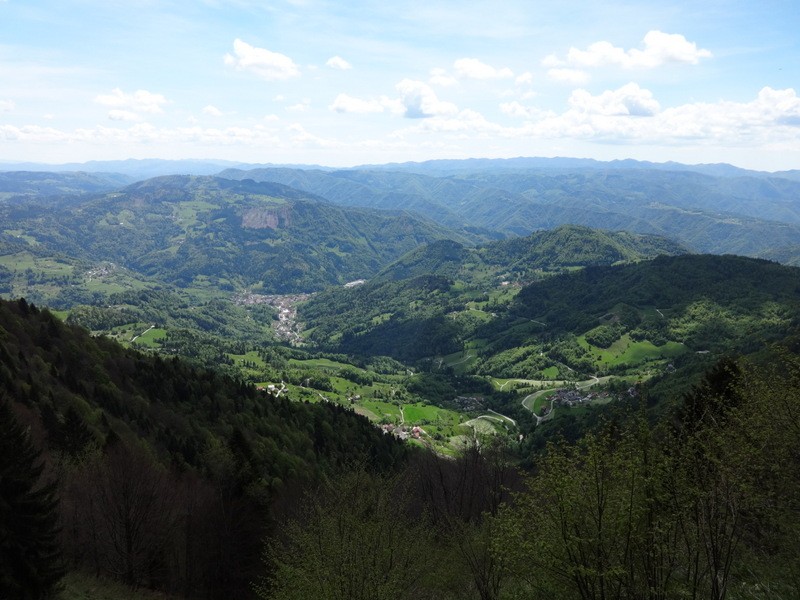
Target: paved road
column 529, row 400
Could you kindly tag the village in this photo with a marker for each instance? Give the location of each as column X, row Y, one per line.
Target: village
column 286, row 326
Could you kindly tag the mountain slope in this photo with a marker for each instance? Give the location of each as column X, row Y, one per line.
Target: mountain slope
column 588, row 321
column 520, row 258
column 187, row 230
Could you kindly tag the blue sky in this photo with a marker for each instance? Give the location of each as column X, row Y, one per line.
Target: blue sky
column 346, row 83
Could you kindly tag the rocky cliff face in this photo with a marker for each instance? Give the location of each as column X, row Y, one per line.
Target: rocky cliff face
column 267, row 218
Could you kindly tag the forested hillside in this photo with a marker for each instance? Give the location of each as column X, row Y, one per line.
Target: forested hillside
column 164, row 476
column 190, row 230
column 201, row 456
column 526, row 258
column 407, row 435
column 652, row 309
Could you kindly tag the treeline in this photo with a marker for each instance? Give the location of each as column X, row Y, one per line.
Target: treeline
column 168, row 475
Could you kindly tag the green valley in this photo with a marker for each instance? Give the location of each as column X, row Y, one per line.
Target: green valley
column 240, row 341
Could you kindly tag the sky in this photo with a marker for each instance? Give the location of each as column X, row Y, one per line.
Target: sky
column 357, row 82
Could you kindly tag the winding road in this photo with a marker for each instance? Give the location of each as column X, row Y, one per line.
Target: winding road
column 529, row 400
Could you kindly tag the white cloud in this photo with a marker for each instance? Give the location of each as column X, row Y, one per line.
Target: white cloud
column 551, row 61
column 271, row 66
column 348, row 104
column 301, row 137
column 772, row 118
column 442, row 77
column 629, row 100
column 337, row 62
column 137, row 102
column 515, row 109
column 768, row 123
column 659, row 48
column 631, row 115
column 212, row 111
column 525, row 78
column 301, row 106
column 472, row 68
column 570, row 76
column 462, row 124
column 7, row 105
column 420, row 101
column 32, row 133
column 123, row 115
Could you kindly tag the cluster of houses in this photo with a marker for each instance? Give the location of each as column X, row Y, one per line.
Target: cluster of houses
column 286, row 327
column 403, row 432
column 571, row 399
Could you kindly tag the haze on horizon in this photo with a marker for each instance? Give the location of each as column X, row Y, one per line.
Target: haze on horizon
column 313, row 82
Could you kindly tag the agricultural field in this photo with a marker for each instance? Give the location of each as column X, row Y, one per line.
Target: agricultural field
column 625, row 351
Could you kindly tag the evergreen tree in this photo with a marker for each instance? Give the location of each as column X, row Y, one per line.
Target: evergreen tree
column 30, row 565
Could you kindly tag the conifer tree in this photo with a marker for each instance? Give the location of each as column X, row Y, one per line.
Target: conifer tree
column 30, row 563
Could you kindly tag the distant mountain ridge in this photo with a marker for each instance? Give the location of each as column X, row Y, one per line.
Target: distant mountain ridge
column 16, row 184
column 734, row 214
column 153, row 167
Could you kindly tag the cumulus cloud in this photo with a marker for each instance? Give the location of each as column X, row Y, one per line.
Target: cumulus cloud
column 658, row 48
column 7, row 105
column 123, row 115
column 268, row 65
column 772, row 117
column 631, row 115
column 442, row 77
column 570, row 76
column 420, row 101
column 212, row 111
column 345, row 103
column 525, row 78
column 462, row 125
column 140, row 101
column 301, row 106
column 517, row 110
column 337, row 62
column 472, row 68
column 301, row 137
column 629, row 100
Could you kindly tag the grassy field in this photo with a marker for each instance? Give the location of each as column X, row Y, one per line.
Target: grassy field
column 318, row 363
column 151, row 337
column 543, row 400
column 21, row 261
column 422, row 414
column 459, row 361
column 508, row 385
column 382, row 410
column 251, row 357
column 627, row 351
